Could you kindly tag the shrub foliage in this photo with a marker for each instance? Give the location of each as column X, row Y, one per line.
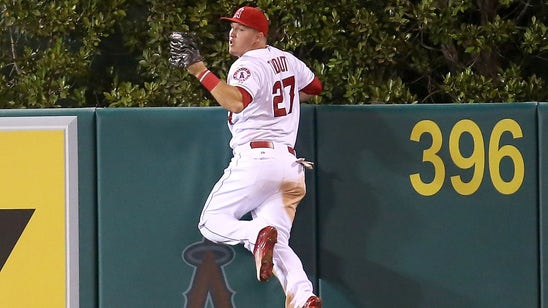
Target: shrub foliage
column 75, row 53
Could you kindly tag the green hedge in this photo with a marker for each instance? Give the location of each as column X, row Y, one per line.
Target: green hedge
column 75, row 53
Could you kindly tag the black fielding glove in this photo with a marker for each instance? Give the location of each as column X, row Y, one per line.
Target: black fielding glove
column 183, row 50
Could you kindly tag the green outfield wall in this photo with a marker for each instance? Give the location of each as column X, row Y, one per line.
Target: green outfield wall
column 409, row 206
column 428, row 206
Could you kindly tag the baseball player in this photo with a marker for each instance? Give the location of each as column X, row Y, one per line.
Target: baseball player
column 265, row 178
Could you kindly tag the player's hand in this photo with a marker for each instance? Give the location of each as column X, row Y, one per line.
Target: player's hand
column 183, row 50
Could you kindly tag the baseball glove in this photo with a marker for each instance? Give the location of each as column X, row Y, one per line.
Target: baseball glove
column 183, row 50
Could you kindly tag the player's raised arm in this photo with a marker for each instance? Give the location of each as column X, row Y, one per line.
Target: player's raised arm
column 184, row 53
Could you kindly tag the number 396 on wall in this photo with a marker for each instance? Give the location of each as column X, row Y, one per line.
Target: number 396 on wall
column 476, row 160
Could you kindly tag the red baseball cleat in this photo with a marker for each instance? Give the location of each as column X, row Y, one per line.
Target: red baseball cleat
column 313, row 302
column 263, row 251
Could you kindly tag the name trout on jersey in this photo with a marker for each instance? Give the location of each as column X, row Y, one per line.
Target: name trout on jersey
column 278, row 64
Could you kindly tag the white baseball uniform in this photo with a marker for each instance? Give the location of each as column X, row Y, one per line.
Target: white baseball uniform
column 264, row 176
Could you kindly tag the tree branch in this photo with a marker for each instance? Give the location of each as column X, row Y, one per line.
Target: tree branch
column 13, row 52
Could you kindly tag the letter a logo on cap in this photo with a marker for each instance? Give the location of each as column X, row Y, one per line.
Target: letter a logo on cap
column 251, row 17
column 238, row 13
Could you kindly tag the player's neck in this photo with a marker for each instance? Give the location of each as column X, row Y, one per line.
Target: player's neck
column 255, row 47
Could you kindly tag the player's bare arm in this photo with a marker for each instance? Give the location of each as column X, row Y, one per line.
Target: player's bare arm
column 303, row 97
column 226, row 95
column 184, row 53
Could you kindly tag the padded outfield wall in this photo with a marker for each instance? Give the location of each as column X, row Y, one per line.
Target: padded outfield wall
column 409, row 206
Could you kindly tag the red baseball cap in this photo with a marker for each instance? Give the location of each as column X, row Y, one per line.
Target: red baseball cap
column 251, row 17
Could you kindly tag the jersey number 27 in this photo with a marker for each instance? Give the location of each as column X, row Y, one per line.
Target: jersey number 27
column 279, row 89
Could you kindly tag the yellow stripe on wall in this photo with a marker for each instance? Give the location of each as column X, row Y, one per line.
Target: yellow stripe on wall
column 32, row 176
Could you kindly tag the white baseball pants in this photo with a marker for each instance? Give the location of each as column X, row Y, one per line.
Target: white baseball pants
column 269, row 183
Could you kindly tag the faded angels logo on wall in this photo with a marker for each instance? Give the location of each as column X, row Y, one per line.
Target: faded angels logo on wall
column 208, row 287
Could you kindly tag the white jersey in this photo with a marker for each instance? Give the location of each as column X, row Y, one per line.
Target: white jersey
column 273, row 78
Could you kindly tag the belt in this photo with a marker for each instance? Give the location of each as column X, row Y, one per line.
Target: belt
column 269, row 145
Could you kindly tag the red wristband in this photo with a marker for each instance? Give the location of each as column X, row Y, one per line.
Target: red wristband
column 208, row 80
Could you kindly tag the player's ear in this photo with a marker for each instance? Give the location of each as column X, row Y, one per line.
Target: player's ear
column 260, row 36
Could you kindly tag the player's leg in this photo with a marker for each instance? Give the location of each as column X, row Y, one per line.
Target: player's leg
column 279, row 211
column 287, row 265
column 289, row 271
column 245, row 184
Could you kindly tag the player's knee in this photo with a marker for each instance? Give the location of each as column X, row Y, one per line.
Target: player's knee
column 207, row 233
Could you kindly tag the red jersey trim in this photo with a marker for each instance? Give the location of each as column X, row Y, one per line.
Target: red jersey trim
column 246, row 97
column 314, row 87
